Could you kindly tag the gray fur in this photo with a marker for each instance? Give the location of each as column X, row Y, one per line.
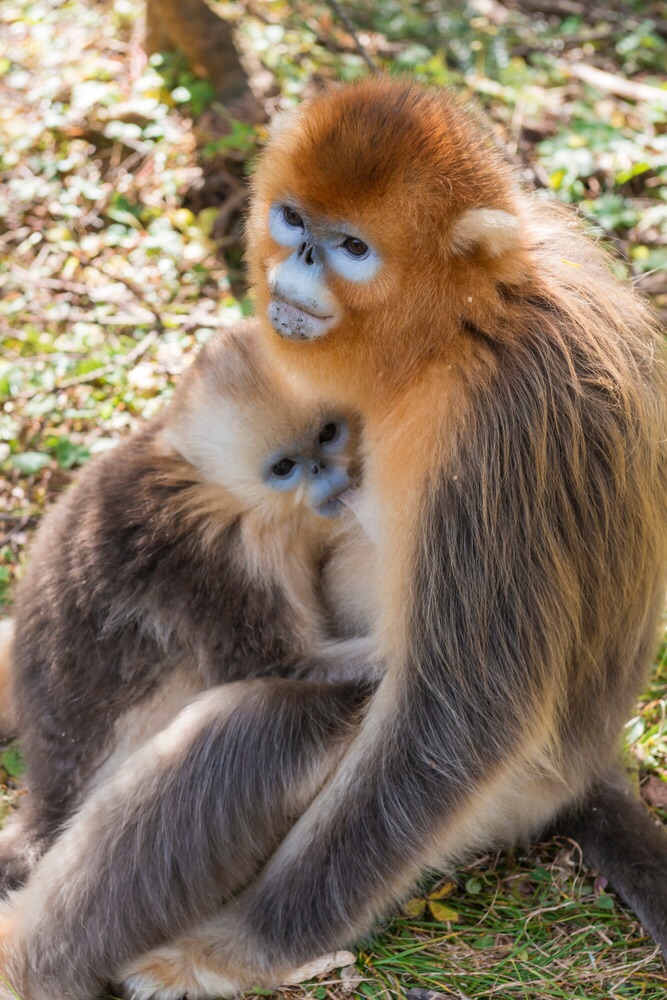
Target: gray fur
column 528, row 608
column 141, row 568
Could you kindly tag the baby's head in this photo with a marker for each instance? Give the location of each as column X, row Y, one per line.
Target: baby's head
column 245, row 428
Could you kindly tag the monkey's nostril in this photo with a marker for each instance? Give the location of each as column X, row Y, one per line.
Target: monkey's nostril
column 309, row 259
column 315, row 468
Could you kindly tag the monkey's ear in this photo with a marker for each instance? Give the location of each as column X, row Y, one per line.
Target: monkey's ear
column 283, row 122
column 488, row 229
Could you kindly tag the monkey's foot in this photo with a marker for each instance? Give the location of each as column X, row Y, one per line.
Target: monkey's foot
column 172, row 973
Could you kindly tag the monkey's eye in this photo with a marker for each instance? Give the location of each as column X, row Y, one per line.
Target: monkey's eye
column 283, row 468
column 328, row 433
column 355, row 247
column 292, row 217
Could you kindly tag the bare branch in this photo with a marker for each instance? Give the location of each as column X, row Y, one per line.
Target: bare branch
column 349, row 27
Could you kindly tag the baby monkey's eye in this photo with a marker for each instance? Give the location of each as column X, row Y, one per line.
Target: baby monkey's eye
column 292, row 217
column 328, row 433
column 283, row 467
column 355, row 247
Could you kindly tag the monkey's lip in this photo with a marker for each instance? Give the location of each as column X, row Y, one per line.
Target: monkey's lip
column 335, row 504
column 333, row 507
column 349, row 496
column 295, row 323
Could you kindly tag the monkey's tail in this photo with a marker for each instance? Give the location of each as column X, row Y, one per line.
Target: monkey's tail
column 8, row 721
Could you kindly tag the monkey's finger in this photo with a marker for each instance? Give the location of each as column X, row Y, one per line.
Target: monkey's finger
column 319, row 967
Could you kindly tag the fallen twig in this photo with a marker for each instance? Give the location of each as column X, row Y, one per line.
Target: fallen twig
column 617, row 85
column 569, row 42
column 349, row 27
column 131, row 286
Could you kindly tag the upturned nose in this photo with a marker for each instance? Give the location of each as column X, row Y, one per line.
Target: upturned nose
column 316, row 468
column 307, row 252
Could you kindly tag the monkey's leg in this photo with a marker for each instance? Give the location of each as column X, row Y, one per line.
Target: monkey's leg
column 618, row 836
column 392, row 807
column 184, row 824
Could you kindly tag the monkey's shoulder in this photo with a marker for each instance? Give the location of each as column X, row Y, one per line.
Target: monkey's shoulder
column 129, row 528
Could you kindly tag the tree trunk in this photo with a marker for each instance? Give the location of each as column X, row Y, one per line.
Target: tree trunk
column 208, row 43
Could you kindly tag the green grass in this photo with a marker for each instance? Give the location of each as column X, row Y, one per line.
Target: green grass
column 111, row 276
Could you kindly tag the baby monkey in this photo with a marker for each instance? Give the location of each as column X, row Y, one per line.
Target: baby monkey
column 187, row 557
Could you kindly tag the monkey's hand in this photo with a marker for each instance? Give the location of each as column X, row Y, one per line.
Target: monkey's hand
column 193, row 965
column 177, row 965
column 170, row 972
column 344, row 660
column 20, row 849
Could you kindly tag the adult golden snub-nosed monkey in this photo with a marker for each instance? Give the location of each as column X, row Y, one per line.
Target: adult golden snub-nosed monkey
column 514, row 414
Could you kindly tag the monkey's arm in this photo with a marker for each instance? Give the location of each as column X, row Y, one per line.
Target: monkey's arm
column 184, row 825
column 361, row 844
column 343, row 660
column 613, row 829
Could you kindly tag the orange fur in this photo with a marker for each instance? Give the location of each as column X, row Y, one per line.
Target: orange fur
column 515, row 418
column 513, row 410
column 403, row 167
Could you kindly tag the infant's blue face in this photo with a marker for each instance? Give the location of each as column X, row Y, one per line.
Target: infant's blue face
column 317, row 467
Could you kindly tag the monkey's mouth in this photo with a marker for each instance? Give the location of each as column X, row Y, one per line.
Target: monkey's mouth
column 333, row 507
column 338, row 502
column 296, row 323
column 349, row 496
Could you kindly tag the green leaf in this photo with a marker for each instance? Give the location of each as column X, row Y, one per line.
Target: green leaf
column 12, row 762
column 484, row 942
column 70, row 454
column 30, row 462
column 635, row 729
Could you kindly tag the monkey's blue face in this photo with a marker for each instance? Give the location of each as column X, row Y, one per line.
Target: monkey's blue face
column 317, row 469
column 303, row 306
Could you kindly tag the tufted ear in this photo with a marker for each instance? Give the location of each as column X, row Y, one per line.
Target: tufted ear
column 488, row 229
column 283, row 122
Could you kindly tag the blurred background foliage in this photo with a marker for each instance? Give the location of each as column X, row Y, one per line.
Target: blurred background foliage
column 123, row 181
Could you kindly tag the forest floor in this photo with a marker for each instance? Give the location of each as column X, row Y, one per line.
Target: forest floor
column 122, row 187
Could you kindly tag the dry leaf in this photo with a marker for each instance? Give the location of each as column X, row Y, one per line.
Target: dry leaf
column 319, row 967
column 415, row 908
column 350, row 978
column 442, row 912
column 445, row 890
column 654, row 791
